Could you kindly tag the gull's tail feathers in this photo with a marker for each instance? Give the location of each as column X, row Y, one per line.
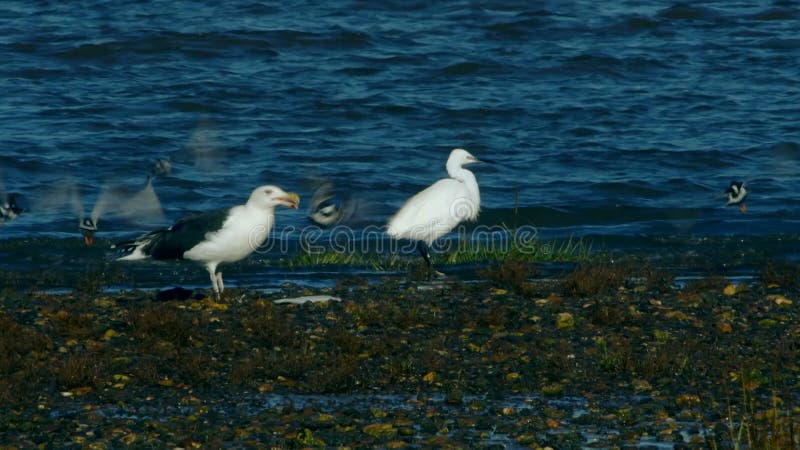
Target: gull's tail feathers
column 139, row 248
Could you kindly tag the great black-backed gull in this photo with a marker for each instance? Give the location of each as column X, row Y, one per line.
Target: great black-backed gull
column 437, row 209
column 737, row 194
column 214, row 237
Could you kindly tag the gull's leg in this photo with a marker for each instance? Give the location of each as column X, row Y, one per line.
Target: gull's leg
column 212, row 268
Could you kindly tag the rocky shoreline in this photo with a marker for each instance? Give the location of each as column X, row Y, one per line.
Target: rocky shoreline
column 605, row 356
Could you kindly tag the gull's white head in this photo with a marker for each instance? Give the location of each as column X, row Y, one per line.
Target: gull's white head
column 268, row 197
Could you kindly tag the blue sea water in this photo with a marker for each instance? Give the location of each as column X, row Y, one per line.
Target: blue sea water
column 621, row 122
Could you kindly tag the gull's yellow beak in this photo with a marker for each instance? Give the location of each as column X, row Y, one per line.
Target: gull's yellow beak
column 291, row 200
column 743, row 208
column 88, row 238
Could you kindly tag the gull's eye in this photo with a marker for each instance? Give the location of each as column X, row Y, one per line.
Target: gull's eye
column 268, row 191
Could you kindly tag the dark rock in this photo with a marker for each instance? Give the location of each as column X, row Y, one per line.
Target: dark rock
column 176, row 293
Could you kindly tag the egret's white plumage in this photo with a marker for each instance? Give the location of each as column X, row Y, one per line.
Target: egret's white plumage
column 436, row 210
column 214, row 237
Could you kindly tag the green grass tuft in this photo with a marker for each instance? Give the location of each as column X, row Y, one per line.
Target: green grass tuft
column 510, row 246
column 571, row 250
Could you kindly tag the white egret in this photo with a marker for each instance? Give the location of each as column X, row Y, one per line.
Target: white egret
column 214, row 237
column 436, row 210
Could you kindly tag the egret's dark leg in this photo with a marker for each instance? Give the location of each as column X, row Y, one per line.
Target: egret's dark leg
column 423, row 250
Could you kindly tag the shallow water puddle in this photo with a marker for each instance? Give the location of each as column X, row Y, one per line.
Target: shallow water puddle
column 510, row 422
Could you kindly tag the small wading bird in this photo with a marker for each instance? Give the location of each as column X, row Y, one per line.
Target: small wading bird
column 737, row 194
column 214, row 237
column 436, row 210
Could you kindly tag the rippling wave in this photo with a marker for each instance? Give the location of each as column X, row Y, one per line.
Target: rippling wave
column 624, row 123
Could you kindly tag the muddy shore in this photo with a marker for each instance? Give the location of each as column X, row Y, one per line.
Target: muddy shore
column 604, row 356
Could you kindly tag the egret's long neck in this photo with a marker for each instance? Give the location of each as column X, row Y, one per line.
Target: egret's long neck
column 457, row 171
column 465, row 176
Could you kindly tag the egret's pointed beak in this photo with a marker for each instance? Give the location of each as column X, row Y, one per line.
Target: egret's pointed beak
column 743, row 208
column 476, row 160
column 291, row 200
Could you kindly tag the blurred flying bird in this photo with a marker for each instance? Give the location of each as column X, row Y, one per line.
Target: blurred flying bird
column 9, row 207
column 88, row 225
column 736, row 194
column 329, row 207
column 140, row 206
column 204, row 149
column 162, row 167
column 9, row 210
